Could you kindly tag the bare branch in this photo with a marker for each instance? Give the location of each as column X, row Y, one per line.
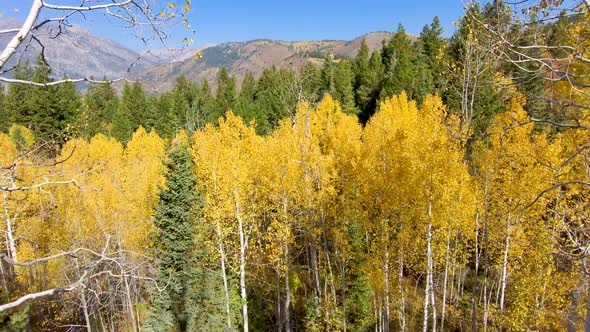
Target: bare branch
column 49, row 292
column 559, row 185
column 23, row 32
column 87, row 8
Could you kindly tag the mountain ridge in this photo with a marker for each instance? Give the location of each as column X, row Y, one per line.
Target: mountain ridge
column 77, row 52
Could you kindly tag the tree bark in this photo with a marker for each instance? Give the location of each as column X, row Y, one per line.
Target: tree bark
column 243, row 244
column 505, row 265
column 9, row 231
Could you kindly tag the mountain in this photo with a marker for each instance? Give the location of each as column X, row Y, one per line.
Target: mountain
column 254, row 56
column 171, row 55
column 75, row 52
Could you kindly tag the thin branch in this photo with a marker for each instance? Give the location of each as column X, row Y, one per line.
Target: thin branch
column 49, row 292
column 559, row 185
column 87, row 8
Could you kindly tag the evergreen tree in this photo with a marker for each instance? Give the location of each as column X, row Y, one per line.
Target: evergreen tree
column 343, row 81
column 130, row 113
column 277, row 95
column 184, row 97
column 432, row 47
column 176, row 219
column 246, row 103
column 204, row 105
column 153, row 118
column 398, row 66
column 99, row 108
column 369, row 83
column 17, row 98
column 327, row 77
column 4, row 116
column 47, row 111
column 311, row 81
column 226, row 95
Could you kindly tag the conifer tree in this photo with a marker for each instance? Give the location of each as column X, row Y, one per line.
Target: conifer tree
column 131, row 112
column 226, row 95
column 311, row 82
column 98, row 109
column 433, row 48
column 328, row 79
column 176, row 221
column 4, row 118
column 47, row 111
column 398, row 65
column 343, row 81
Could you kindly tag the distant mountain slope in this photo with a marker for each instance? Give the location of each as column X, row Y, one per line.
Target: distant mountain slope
column 77, row 53
column 254, row 56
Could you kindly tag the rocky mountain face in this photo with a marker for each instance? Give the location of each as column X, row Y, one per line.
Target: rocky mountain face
column 254, row 56
column 76, row 52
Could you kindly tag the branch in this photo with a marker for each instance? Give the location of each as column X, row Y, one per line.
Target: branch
column 88, row 8
column 67, row 80
column 23, row 32
column 553, row 188
column 9, row 31
column 49, row 292
column 560, row 124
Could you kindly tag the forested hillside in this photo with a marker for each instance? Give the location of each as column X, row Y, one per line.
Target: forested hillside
column 431, row 184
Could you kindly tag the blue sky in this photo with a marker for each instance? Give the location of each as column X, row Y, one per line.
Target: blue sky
column 218, row 21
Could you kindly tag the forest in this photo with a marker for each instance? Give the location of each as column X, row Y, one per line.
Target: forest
column 434, row 184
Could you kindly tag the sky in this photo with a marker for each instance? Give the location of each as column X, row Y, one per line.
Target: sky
column 217, row 21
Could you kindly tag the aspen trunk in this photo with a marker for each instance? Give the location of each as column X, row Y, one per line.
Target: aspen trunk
column 288, row 292
column 287, row 284
column 343, row 272
column 444, row 300
column 427, row 288
column 9, row 231
column 401, row 294
column 243, row 244
column 386, row 276
column 505, row 266
column 314, row 268
column 475, row 281
column 130, row 304
column 224, row 277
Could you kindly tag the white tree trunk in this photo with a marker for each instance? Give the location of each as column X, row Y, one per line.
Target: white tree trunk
column 223, row 273
column 505, row 266
column 9, row 231
column 287, row 291
column 386, row 276
column 287, row 262
column 243, row 245
column 401, row 293
column 444, row 300
column 427, row 288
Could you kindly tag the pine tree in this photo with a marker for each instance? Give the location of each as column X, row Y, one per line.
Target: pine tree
column 246, row 106
column 99, row 107
column 176, row 219
column 398, row 66
column 311, row 79
column 433, row 47
column 4, row 117
column 343, row 81
column 47, row 111
column 18, row 96
column 130, row 113
column 225, row 97
column 328, row 84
